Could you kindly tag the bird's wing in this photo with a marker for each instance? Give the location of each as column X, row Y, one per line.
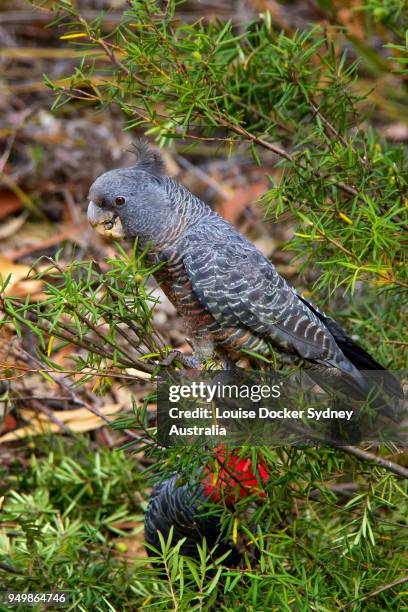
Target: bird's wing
column 357, row 355
column 240, row 287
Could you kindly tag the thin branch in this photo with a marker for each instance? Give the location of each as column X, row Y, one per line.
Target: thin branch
column 364, row 455
column 95, row 372
column 63, row 385
column 381, row 589
column 328, row 125
column 234, row 127
column 11, row 570
column 343, row 249
column 52, row 416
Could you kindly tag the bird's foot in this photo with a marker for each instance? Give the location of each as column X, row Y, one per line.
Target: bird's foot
column 189, row 361
column 228, row 364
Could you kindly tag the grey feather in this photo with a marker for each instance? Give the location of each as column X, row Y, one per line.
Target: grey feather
column 148, row 159
column 250, row 304
column 240, row 287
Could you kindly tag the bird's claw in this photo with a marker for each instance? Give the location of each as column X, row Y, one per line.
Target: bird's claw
column 189, row 361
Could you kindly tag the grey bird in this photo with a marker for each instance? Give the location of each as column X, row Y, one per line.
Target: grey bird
column 231, row 297
column 182, row 506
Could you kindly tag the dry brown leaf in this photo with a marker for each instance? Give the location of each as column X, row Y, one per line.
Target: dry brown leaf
column 349, row 15
column 28, row 287
column 8, row 422
column 232, row 208
column 396, row 131
column 63, row 354
column 34, row 429
column 131, row 547
column 11, row 226
column 172, row 168
column 286, row 270
column 9, row 203
column 35, row 236
column 70, row 416
column 266, row 244
column 139, row 374
column 18, row 272
column 19, row 285
column 78, row 420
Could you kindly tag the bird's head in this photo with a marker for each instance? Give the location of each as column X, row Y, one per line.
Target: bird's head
column 130, row 202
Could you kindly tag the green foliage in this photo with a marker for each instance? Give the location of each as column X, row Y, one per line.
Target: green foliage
column 330, row 532
column 64, row 512
column 297, row 95
column 388, row 12
column 106, row 313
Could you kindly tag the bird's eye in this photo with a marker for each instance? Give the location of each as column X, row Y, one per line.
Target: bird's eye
column 119, row 200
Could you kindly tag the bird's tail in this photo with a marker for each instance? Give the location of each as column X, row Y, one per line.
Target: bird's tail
column 372, row 371
column 373, row 374
column 193, row 510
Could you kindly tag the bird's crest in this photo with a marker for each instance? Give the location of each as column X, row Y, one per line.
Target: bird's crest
column 147, row 158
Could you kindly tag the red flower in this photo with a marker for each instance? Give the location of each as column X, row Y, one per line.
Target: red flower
column 235, row 478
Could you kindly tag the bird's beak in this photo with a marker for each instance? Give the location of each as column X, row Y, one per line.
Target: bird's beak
column 105, row 222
